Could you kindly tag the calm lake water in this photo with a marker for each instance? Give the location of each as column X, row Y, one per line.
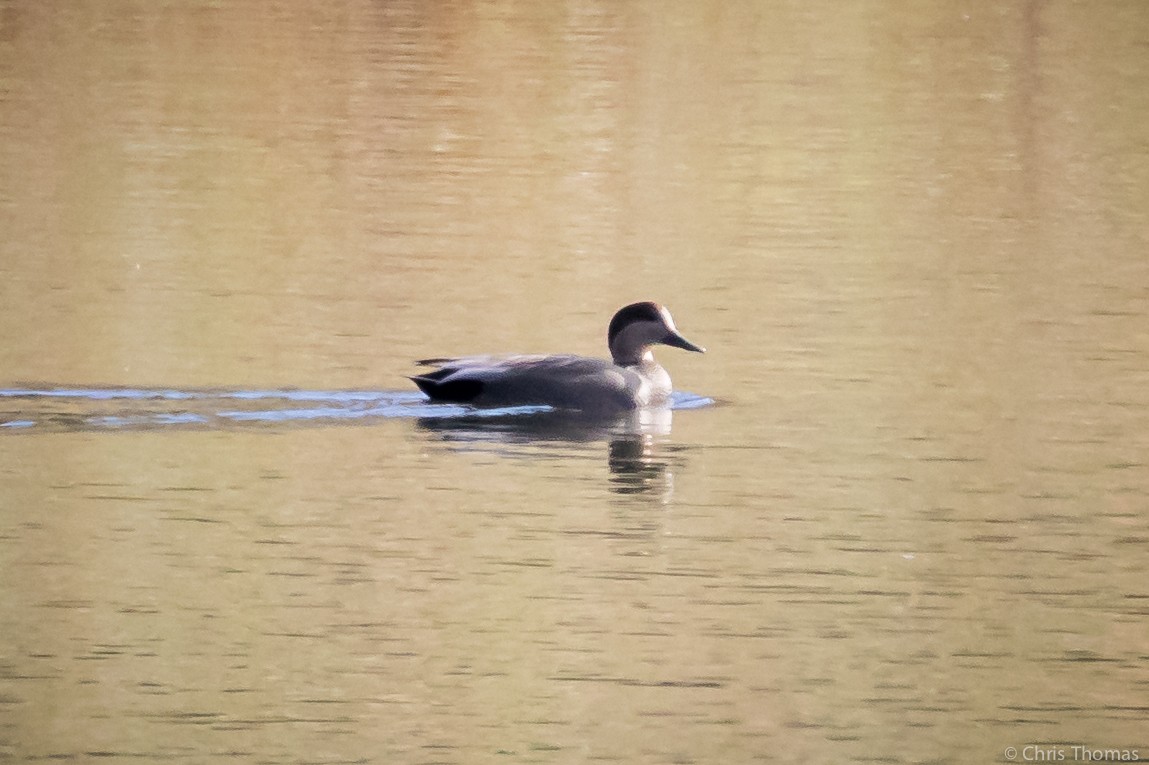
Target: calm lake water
column 900, row 512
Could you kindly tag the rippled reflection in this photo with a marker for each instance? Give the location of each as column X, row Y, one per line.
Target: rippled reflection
column 634, row 441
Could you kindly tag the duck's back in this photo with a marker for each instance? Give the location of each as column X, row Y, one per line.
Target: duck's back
column 563, row 382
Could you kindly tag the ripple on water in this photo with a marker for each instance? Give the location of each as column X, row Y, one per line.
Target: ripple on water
column 75, row 409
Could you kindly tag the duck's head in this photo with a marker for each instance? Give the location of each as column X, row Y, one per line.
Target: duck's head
column 638, row 326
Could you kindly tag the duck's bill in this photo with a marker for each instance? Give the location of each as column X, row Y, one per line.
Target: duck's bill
column 678, row 341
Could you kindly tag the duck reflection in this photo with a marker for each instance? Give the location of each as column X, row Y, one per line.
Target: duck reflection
column 636, row 466
column 636, row 458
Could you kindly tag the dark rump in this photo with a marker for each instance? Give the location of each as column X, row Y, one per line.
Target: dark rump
column 461, row 391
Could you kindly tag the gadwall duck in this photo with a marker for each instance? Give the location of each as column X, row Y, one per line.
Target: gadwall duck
column 631, row 380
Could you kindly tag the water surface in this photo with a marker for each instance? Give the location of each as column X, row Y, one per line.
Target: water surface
column 914, row 528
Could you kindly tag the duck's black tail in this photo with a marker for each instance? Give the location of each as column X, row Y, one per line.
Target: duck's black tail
column 437, row 385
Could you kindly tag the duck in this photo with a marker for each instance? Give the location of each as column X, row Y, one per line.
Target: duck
column 630, row 380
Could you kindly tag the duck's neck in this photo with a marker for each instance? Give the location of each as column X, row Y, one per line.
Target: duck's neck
column 644, row 357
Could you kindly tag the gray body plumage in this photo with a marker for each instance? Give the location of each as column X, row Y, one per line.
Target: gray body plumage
column 631, row 380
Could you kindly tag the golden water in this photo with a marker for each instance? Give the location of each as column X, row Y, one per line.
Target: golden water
column 914, row 239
